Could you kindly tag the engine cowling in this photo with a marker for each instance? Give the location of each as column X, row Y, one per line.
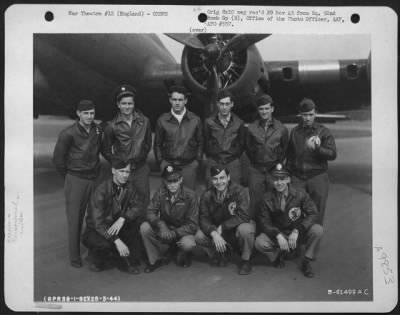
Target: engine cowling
column 237, row 71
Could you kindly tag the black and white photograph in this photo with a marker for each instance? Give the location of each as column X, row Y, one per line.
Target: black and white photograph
column 194, row 164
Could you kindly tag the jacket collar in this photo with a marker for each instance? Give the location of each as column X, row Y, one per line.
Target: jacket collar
column 314, row 126
column 165, row 193
column 188, row 115
column 136, row 115
column 231, row 118
column 82, row 129
column 271, row 123
column 292, row 192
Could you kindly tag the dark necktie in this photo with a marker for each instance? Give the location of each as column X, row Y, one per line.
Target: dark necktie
column 282, row 202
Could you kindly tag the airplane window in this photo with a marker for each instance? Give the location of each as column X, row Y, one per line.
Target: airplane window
column 287, row 73
column 352, row 71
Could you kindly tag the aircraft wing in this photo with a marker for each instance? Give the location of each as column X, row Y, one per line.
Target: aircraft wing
column 69, row 67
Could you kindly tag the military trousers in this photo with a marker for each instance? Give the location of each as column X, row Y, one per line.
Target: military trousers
column 270, row 247
column 242, row 235
column 259, row 183
column 140, row 178
column 77, row 193
column 156, row 248
column 317, row 187
column 100, row 248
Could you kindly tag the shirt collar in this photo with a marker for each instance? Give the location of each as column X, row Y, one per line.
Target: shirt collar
column 180, row 194
column 268, row 123
column 179, row 115
column 285, row 193
column 227, row 119
column 214, row 192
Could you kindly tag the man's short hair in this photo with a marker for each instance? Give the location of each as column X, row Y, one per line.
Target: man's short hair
column 181, row 89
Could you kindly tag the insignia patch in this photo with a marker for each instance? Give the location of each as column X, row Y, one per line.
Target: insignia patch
column 294, row 213
column 232, row 208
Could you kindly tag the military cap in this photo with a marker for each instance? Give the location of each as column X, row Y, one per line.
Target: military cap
column 223, row 94
column 124, row 90
column 215, row 170
column 181, row 89
column 118, row 163
column 85, row 105
column 264, row 100
column 306, row 105
column 170, row 173
column 279, row 171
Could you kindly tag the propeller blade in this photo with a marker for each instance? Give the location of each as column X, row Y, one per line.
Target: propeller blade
column 241, row 42
column 215, row 86
column 190, row 40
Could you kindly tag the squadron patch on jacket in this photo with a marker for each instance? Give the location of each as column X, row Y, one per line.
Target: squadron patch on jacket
column 232, row 207
column 294, row 213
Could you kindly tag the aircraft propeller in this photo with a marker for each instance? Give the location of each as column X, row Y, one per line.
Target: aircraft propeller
column 216, row 61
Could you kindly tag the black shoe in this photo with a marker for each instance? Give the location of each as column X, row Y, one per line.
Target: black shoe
column 76, row 263
column 95, row 267
column 151, row 267
column 219, row 260
column 245, row 268
column 183, row 259
column 131, row 268
column 279, row 261
column 307, row 269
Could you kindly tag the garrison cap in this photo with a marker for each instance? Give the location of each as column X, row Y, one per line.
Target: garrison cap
column 85, row 105
column 118, row 163
column 124, row 90
column 223, row 94
column 170, row 172
column 306, row 105
column 181, row 89
column 215, row 170
column 279, row 171
column 264, row 100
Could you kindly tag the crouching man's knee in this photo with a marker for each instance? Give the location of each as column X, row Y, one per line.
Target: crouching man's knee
column 316, row 230
column 245, row 230
column 263, row 243
column 146, row 229
column 187, row 243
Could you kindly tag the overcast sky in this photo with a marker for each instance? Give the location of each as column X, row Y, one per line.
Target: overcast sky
column 300, row 47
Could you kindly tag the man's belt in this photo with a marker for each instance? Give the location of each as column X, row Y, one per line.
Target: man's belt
column 180, row 163
column 139, row 164
column 224, row 161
